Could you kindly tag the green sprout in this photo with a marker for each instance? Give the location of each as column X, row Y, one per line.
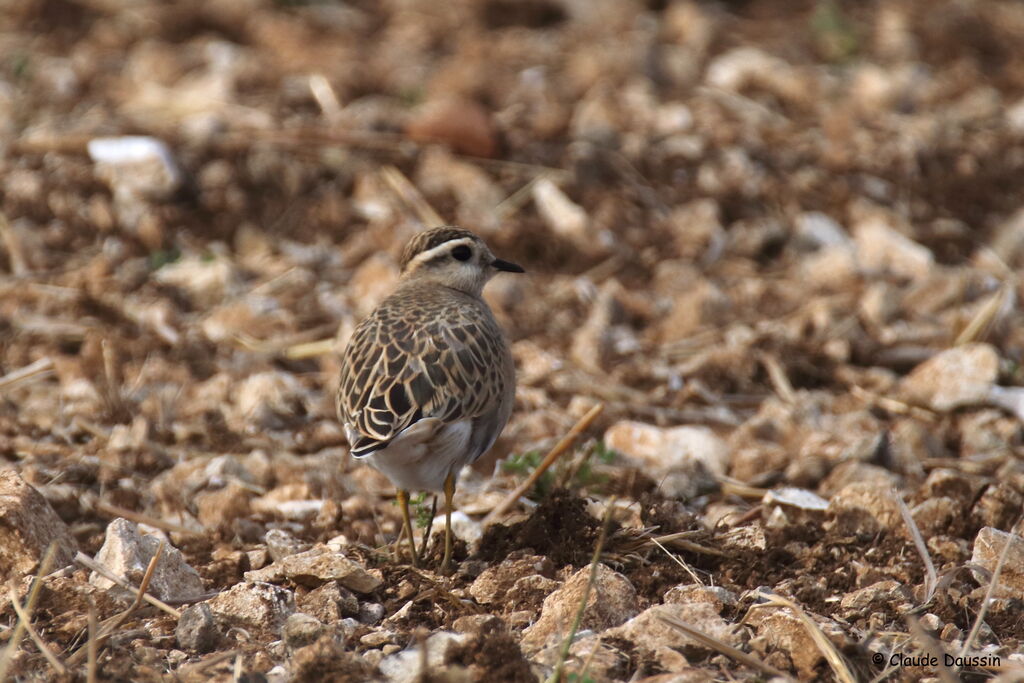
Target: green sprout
column 424, row 513
column 525, row 463
column 161, row 257
column 833, row 31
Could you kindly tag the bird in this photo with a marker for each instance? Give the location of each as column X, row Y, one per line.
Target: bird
column 427, row 378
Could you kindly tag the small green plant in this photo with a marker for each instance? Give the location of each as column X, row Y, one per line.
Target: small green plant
column 161, row 257
column 524, row 464
column 604, row 454
column 424, row 513
column 420, row 511
column 833, row 32
column 579, row 678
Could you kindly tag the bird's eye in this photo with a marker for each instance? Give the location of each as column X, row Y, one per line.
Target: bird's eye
column 462, row 253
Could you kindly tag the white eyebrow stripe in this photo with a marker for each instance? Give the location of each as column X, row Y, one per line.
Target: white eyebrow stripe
column 436, row 251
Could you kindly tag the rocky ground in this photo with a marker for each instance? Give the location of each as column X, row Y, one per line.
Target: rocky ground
column 777, row 241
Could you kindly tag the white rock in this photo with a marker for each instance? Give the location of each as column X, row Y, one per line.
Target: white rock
column 141, row 166
column 27, row 527
column 317, row 566
column 672, row 118
column 780, row 629
column 612, row 601
column 207, row 281
column 737, row 68
column 831, row 267
column 716, row 596
column 795, row 497
column 988, row 546
column 407, row 666
column 960, row 376
column 820, row 230
column 880, row 247
column 649, row 632
column 463, row 526
column 127, row 553
column 1015, row 117
column 255, row 606
column 563, row 216
column 859, row 505
column 680, row 458
column 1008, row 398
column 265, row 399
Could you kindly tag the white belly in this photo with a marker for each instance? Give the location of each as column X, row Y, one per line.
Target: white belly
column 421, row 457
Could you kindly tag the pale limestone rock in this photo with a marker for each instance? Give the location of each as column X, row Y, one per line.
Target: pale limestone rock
column 960, row 376
column 865, row 508
column 407, row 666
column 254, row 606
column 127, row 553
column 27, row 527
column 880, row 247
column 612, row 601
column 682, row 459
column 988, row 546
column 317, row 566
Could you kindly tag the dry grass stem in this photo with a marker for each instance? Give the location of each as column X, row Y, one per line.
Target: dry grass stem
column 780, row 381
column 993, row 582
column 933, row 648
column 720, row 647
column 313, row 349
column 892, row 405
column 15, row 250
column 561, row 447
column 119, row 620
column 981, row 324
column 33, row 372
column 24, row 618
column 92, row 647
column 556, row 676
column 95, row 566
column 931, row 579
column 686, row 568
column 143, row 518
column 325, row 96
column 828, row 650
column 508, row 207
column 731, row 487
column 411, row 197
column 681, row 542
column 7, row 658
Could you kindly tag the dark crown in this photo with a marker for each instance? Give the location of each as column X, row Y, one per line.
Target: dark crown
column 428, row 239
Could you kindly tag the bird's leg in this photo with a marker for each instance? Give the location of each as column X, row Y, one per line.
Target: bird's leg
column 430, row 528
column 403, row 502
column 449, row 492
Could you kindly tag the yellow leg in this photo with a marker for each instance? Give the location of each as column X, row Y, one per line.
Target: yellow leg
column 449, row 491
column 403, row 502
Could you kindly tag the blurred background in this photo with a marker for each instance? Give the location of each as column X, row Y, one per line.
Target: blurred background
column 792, row 227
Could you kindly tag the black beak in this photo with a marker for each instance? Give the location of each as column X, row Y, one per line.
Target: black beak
column 507, row 266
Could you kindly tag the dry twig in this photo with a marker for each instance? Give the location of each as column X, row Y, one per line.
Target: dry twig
column 979, row 620
column 24, row 618
column 723, row 648
column 556, row 676
column 931, row 578
column 89, row 563
column 30, row 604
column 34, row 371
column 143, row 518
column 549, row 460
column 828, row 650
column 94, row 643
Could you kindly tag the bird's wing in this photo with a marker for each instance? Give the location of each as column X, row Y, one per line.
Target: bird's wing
column 445, row 363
